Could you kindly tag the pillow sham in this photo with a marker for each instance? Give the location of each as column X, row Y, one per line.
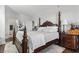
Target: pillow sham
column 22, row 28
column 41, row 28
column 48, row 29
column 52, row 29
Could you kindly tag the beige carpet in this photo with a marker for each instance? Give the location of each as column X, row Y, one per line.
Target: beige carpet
column 10, row 48
column 53, row 49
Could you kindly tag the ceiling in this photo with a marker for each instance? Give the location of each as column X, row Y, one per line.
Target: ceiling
column 36, row 10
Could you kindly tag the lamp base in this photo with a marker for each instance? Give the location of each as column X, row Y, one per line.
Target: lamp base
column 63, row 32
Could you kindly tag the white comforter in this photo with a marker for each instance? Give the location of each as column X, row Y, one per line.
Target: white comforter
column 49, row 36
column 37, row 39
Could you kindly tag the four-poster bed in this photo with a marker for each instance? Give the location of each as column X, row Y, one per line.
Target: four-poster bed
column 23, row 46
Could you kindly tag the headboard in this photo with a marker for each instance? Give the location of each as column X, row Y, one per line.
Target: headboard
column 47, row 23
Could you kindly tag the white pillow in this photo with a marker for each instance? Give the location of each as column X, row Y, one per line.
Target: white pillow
column 22, row 28
column 52, row 29
column 41, row 28
column 48, row 29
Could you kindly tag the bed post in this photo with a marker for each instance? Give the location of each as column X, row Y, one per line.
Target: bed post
column 14, row 36
column 59, row 27
column 25, row 42
column 39, row 22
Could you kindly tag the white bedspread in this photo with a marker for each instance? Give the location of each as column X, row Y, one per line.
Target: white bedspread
column 49, row 36
column 35, row 39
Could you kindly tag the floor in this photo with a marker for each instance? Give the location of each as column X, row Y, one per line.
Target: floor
column 65, row 51
column 70, row 51
column 2, row 48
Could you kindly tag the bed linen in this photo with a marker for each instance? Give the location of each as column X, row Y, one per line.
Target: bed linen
column 37, row 38
column 49, row 36
column 49, row 32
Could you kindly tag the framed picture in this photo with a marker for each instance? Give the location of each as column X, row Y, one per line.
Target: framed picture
column 11, row 27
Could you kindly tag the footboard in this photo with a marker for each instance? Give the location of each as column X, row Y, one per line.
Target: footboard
column 24, row 46
column 14, row 36
column 25, row 42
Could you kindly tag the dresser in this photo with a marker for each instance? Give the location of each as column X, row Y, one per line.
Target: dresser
column 70, row 41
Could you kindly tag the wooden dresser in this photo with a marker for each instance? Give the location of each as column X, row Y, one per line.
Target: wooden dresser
column 70, row 41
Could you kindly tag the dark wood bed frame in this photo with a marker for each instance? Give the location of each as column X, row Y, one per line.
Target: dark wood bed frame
column 23, row 47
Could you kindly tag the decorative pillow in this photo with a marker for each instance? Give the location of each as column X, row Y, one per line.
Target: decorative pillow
column 22, row 28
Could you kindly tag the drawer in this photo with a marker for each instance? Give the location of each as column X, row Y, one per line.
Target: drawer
column 70, row 44
column 68, row 39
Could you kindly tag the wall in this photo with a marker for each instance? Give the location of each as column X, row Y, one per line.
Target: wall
column 11, row 16
column 27, row 20
column 2, row 24
column 53, row 18
column 71, row 17
column 10, row 19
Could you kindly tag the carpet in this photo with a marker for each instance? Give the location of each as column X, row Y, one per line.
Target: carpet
column 53, row 49
column 10, row 48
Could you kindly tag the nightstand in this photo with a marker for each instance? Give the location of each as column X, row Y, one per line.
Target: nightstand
column 70, row 41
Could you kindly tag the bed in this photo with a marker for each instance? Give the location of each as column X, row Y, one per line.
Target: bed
column 42, row 38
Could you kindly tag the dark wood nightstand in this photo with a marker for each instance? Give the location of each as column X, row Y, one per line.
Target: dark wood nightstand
column 70, row 41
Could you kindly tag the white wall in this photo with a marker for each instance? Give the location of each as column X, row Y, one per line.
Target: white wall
column 10, row 19
column 71, row 17
column 53, row 18
column 11, row 16
column 2, row 24
column 27, row 20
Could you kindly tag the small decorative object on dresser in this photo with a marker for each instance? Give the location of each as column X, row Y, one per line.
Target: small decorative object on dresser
column 64, row 23
column 70, row 40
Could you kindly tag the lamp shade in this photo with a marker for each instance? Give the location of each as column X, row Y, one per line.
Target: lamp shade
column 65, row 22
column 17, row 22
